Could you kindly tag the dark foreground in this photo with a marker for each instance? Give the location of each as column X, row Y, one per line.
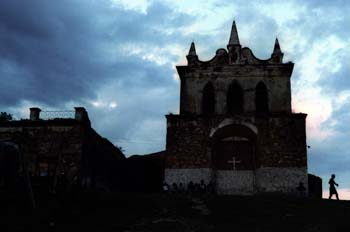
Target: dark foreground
column 169, row 212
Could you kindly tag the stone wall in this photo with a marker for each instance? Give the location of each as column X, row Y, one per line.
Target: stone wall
column 247, row 182
column 235, row 182
column 45, row 142
column 275, row 77
column 275, row 146
column 185, row 175
column 315, row 186
column 281, row 139
column 285, row 180
column 280, row 151
column 187, row 143
column 67, row 148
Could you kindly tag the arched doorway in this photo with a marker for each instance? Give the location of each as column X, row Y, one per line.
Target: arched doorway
column 234, row 159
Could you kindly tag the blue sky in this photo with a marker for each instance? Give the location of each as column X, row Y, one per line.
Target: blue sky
column 117, row 58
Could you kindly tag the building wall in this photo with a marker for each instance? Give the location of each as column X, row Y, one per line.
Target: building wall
column 235, row 182
column 281, row 153
column 44, row 144
column 64, row 149
column 275, row 77
column 273, row 154
column 187, row 140
column 315, row 186
column 281, row 139
column 244, row 182
column 185, row 175
column 277, row 179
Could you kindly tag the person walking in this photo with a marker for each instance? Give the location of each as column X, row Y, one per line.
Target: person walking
column 332, row 189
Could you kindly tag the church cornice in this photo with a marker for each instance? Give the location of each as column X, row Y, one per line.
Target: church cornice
column 239, row 116
column 249, row 70
column 222, row 58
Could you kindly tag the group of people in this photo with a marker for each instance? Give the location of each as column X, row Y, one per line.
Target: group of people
column 203, row 188
column 191, row 187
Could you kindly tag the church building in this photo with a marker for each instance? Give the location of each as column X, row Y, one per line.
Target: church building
column 236, row 128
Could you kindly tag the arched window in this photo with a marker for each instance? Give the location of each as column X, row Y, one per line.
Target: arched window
column 261, row 98
column 208, row 99
column 235, row 99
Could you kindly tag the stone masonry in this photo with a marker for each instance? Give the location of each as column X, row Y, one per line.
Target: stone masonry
column 237, row 106
column 61, row 149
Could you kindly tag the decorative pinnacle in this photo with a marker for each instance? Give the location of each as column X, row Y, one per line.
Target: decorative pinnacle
column 234, row 40
column 277, row 48
column 192, row 51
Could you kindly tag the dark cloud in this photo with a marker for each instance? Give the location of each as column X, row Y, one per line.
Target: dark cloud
column 46, row 52
column 54, row 52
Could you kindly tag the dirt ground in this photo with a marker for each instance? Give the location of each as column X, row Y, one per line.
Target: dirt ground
column 171, row 212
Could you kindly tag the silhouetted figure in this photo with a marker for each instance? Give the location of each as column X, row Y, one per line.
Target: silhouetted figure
column 174, row 188
column 332, row 189
column 165, row 187
column 301, row 189
column 190, row 187
column 181, row 188
column 202, row 186
column 210, row 187
column 196, row 187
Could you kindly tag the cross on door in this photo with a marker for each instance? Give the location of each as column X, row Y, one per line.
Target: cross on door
column 233, row 162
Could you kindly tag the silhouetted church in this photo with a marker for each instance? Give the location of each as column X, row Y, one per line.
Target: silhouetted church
column 236, row 128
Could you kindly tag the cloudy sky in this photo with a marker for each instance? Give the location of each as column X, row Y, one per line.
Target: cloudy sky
column 117, row 59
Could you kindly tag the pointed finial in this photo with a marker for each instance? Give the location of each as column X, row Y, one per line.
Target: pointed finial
column 192, row 57
column 277, row 54
column 234, row 35
column 277, row 48
column 192, row 51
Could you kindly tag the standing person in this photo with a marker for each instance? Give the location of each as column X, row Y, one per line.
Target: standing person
column 202, row 186
column 181, row 188
column 332, row 189
column 165, row 187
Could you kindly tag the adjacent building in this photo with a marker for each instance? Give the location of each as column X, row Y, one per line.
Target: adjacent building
column 60, row 149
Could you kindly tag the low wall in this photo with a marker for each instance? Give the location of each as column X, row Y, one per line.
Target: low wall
column 244, row 182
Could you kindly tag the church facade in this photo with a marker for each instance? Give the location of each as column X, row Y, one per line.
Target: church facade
column 236, row 129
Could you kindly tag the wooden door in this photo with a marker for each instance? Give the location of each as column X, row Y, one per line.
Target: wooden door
column 234, row 149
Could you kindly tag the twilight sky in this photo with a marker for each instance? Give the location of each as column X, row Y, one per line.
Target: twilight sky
column 117, row 59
